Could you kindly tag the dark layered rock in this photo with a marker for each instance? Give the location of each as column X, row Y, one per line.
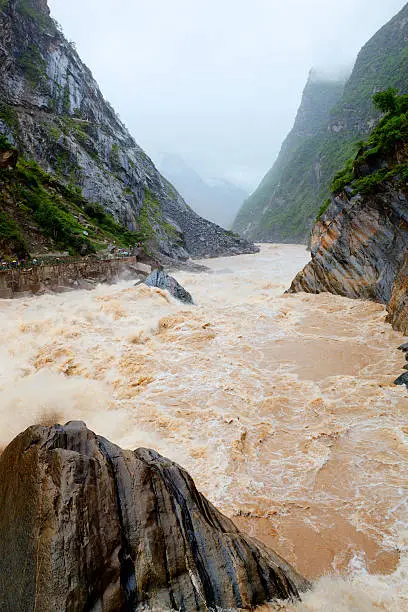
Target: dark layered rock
column 398, row 305
column 162, row 280
column 85, row 525
column 52, row 110
column 358, row 246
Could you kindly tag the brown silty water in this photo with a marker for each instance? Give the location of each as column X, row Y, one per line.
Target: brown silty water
column 281, row 407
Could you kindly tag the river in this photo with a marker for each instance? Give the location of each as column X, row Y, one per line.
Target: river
column 281, row 407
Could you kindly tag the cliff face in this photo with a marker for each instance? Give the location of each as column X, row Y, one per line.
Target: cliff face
column 288, row 200
column 358, row 245
column 52, row 110
column 85, row 525
column 360, row 242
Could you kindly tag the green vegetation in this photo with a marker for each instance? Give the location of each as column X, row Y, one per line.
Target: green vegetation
column 8, row 115
column 151, row 219
column 28, row 9
column 4, row 143
column 114, row 160
column 362, row 172
column 33, row 66
column 60, row 212
column 66, row 104
column 10, row 233
column 286, row 203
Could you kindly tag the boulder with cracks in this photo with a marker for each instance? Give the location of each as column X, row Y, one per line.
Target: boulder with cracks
column 85, row 525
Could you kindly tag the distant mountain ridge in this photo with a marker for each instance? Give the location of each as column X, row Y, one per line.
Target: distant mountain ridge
column 217, row 200
column 286, row 203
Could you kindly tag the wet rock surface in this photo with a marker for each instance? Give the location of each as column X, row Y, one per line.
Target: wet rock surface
column 85, row 525
column 162, row 280
column 358, row 246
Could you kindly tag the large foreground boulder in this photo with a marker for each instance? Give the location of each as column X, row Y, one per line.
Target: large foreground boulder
column 85, row 525
column 162, row 280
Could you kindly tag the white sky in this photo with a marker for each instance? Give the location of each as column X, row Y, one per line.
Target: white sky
column 216, row 81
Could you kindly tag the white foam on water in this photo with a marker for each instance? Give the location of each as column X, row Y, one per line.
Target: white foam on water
column 282, row 408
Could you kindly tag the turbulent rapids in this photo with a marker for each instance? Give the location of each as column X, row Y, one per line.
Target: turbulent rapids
column 281, row 407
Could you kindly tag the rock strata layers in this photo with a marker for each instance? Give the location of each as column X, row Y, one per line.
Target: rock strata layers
column 358, row 247
column 85, row 525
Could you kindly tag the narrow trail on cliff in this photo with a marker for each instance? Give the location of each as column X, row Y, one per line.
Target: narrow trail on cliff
column 282, row 408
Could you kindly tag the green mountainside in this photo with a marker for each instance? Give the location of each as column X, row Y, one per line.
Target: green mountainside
column 286, row 203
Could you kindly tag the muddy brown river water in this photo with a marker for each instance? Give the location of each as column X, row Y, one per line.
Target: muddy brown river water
column 281, row 407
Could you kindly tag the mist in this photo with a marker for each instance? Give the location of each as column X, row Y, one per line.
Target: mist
column 217, row 83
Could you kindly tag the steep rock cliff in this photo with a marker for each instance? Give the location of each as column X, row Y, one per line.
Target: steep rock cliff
column 286, row 203
column 85, row 525
column 360, row 242
column 53, row 111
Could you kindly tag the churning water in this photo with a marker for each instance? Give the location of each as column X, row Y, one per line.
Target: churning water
column 282, row 408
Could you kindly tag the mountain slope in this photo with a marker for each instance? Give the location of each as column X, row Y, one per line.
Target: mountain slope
column 218, row 201
column 52, row 110
column 288, row 200
column 275, row 210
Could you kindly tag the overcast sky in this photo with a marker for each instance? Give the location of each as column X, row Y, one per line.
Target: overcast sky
column 216, row 81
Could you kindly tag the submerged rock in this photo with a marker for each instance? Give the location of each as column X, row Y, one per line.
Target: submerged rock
column 85, row 525
column 162, row 280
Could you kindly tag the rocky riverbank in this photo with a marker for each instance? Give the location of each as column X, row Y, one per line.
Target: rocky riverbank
column 59, row 277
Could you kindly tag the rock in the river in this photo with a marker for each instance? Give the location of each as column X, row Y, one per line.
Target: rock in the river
column 402, row 380
column 162, row 280
column 85, row 525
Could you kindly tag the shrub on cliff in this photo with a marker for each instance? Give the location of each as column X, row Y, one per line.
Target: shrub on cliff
column 376, row 160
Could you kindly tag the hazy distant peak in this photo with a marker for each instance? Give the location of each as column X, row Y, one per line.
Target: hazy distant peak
column 339, row 74
column 216, row 199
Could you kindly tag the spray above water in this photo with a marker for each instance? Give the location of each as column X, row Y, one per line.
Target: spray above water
column 282, row 408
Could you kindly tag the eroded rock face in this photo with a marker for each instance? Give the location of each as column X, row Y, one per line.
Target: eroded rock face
column 85, row 525
column 8, row 159
column 358, row 246
column 397, row 307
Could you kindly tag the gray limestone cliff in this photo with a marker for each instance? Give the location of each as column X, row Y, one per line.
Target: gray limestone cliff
column 52, row 110
column 85, row 525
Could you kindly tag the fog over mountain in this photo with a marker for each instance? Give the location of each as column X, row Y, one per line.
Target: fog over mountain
column 217, row 200
column 217, row 83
